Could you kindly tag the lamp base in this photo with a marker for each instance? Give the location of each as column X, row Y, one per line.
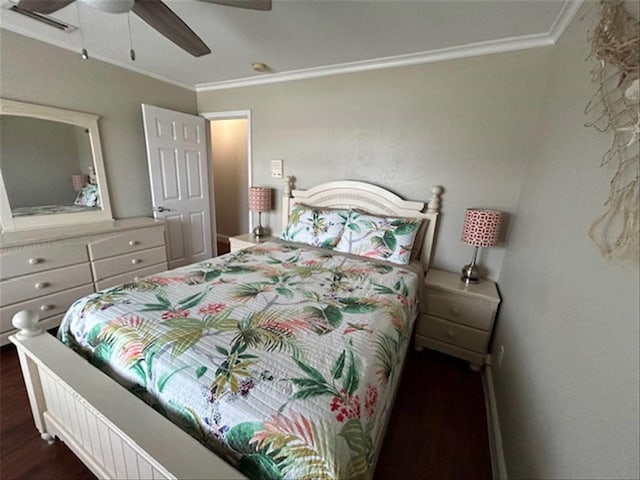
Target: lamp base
column 470, row 274
column 259, row 232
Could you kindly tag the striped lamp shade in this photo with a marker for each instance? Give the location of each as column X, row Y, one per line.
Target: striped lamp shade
column 481, row 227
column 79, row 181
column 259, row 199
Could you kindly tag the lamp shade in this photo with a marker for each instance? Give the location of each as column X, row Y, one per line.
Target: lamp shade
column 79, row 181
column 259, row 199
column 481, row 227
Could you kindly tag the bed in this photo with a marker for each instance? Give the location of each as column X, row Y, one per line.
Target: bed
column 283, row 359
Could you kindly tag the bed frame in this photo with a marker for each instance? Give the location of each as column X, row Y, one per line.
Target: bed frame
column 117, row 435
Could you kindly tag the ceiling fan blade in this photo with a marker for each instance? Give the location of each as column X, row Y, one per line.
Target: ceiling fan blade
column 250, row 4
column 166, row 22
column 43, row 6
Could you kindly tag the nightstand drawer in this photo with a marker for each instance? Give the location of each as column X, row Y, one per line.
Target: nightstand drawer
column 470, row 312
column 453, row 333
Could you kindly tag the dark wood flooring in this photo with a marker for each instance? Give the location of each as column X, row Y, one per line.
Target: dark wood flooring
column 437, row 429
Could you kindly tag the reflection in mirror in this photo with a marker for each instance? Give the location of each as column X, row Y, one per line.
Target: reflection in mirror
column 29, row 147
column 51, row 170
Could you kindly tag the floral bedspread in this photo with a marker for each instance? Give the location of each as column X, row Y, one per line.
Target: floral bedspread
column 279, row 358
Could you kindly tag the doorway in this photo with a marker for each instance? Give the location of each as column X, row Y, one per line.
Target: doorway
column 230, row 173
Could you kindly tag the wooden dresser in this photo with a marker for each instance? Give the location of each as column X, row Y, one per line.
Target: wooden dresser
column 46, row 270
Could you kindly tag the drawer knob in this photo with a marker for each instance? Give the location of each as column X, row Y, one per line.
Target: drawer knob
column 450, row 334
column 35, row 261
column 135, row 261
column 136, row 279
column 46, row 308
column 41, row 285
column 455, row 310
column 133, row 243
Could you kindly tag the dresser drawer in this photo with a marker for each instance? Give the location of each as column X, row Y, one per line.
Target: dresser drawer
column 453, row 333
column 46, row 306
column 32, row 260
column 43, row 283
column 130, row 276
column 470, row 312
column 110, row 267
column 132, row 241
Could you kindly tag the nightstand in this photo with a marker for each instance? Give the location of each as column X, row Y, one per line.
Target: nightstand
column 246, row 240
column 455, row 318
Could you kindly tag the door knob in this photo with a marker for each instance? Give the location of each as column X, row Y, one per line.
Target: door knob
column 161, row 209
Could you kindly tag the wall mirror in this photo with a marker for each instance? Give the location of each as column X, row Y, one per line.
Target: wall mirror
column 51, row 167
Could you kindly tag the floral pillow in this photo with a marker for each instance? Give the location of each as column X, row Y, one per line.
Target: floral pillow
column 88, row 196
column 382, row 238
column 315, row 226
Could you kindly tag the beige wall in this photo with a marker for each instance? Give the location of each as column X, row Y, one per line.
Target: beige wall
column 32, row 71
column 462, row 124
column 231, row 175
column 567, row 391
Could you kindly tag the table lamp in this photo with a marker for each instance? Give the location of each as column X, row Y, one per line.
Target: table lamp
column 79, row 181
column 259, row 201
column 481, row 229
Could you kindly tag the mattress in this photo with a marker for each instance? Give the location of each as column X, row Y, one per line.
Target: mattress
column 280, row 358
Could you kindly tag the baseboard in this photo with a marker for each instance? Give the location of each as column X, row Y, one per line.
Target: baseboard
column 498, row 465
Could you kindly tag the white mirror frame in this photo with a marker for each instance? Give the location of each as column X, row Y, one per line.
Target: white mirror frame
column 80, row 119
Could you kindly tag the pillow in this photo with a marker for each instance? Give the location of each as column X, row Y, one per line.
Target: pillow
column 88, row 196
column 382, row 238
column 316, row 226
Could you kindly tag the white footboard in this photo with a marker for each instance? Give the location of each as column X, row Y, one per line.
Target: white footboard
column 115, row 434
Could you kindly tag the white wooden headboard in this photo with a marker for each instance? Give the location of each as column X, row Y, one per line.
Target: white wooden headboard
column 370, row 198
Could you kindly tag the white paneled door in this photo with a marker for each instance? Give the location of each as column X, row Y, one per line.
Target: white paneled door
column 177, row 158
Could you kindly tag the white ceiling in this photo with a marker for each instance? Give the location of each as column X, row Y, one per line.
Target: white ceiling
column 304, row 37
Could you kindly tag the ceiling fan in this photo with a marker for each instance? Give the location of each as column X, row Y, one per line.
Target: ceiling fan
column 154, row 12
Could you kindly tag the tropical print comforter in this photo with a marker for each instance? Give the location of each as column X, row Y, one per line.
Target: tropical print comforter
column 280, row 358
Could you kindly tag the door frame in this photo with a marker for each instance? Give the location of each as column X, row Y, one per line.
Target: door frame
column 231, row 115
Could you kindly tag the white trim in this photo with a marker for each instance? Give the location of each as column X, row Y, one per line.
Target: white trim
column 236, row 114
column 92, row 56
column 498, row 464
column 562, row 21
column 86, row 121
column 449, row 53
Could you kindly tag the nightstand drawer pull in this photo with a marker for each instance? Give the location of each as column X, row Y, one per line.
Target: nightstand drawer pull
column 34, row 261
column 46, row 308
column 451, row 334
column 41, row 285
column 133, row 243
column 136, row 261
column 455, row 310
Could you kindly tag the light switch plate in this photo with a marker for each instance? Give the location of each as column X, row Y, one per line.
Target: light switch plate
column 276, row 168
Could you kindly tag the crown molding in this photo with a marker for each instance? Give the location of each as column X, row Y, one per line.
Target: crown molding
column 449, row 53
column 562, row 21
column 560, row 24
column 73, row 48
